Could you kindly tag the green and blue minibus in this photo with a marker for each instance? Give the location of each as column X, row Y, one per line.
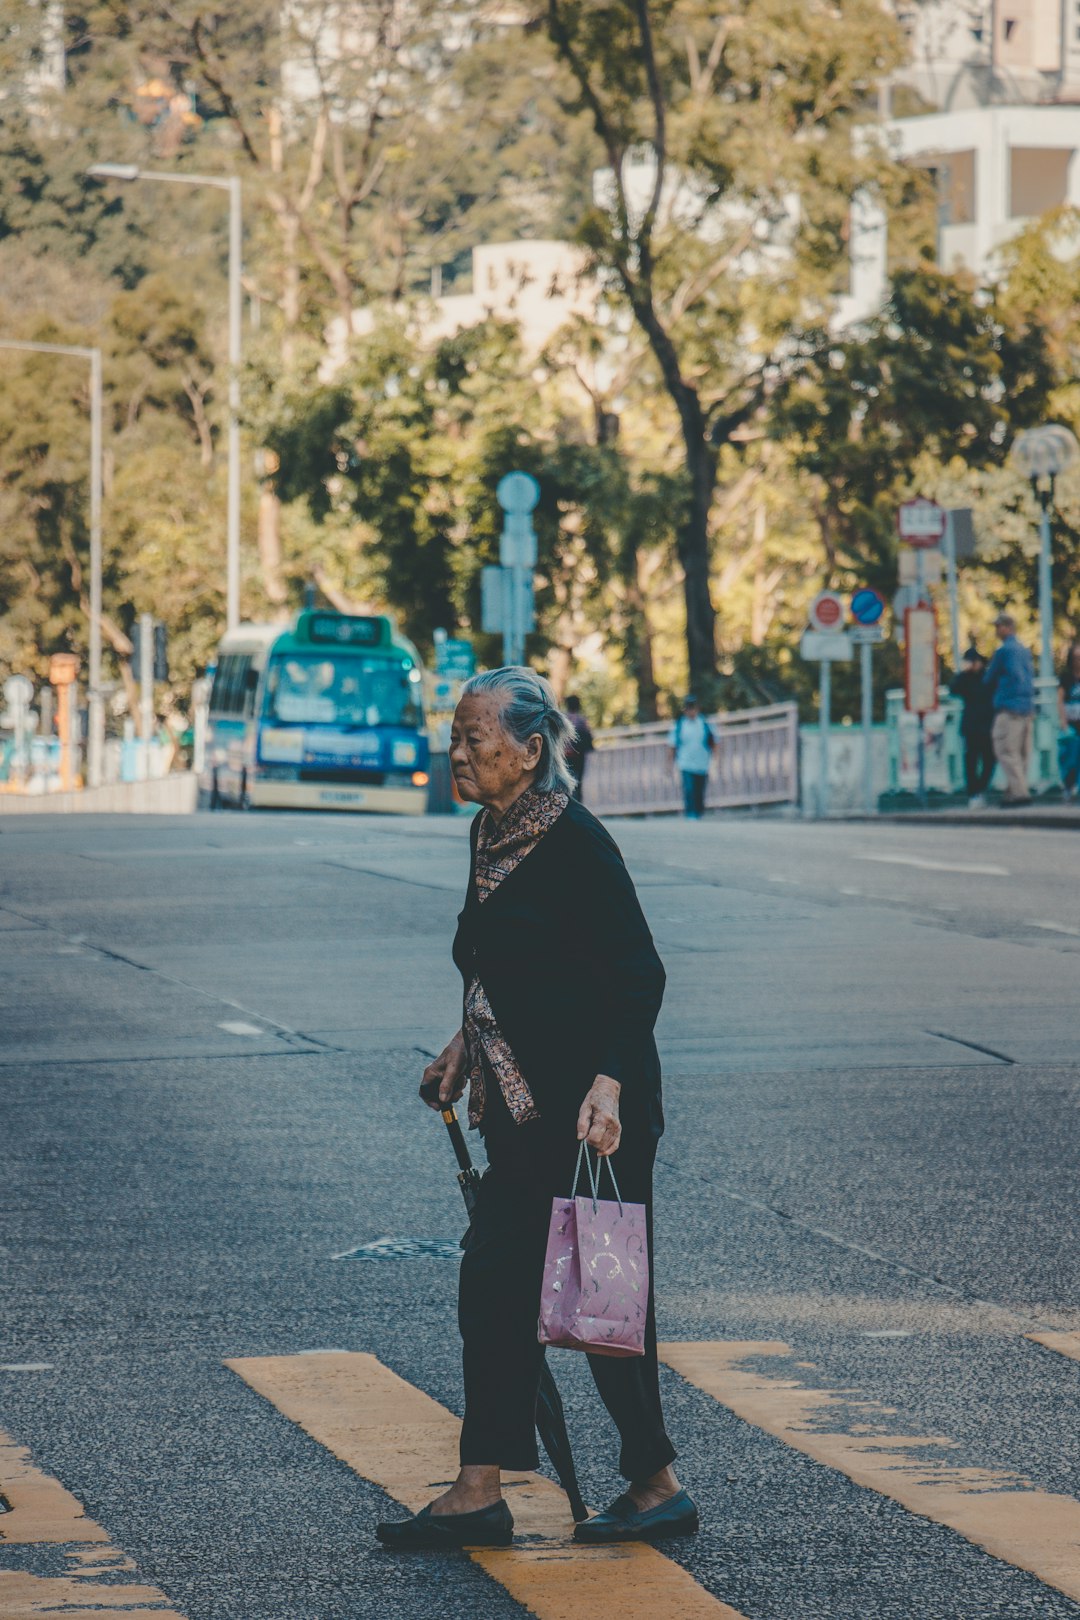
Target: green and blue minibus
column 327, row 715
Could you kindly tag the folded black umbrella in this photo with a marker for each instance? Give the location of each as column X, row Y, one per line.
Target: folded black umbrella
column 550, row 1417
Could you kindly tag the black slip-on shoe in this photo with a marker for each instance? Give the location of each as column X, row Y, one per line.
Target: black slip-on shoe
column 623, row 1521
column 489, row 1527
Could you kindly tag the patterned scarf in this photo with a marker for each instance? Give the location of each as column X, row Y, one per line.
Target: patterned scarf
column 500, row 847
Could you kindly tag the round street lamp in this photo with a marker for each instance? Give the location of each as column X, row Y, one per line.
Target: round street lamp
column 1041, row 454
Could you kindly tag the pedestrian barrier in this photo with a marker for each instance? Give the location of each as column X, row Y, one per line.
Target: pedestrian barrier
column 755, row 761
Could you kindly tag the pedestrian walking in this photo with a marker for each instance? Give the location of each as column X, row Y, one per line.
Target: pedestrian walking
column 562, row 987
column 1010, row 681
column 580, row 745
column 1069, row 716
column 691, row 743
column 976, row 725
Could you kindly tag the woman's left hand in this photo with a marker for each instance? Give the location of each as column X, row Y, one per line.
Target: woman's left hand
column 598, row 1121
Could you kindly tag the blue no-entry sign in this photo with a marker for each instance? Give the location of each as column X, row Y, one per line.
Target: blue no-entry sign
column 867, row 606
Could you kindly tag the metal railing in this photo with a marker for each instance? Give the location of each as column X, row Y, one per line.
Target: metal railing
column 755, row 761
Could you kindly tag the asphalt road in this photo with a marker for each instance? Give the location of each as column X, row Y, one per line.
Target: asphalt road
column 213, row 1031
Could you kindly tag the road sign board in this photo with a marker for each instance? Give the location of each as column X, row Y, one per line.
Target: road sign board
column 517, row 492
column 867, row 606
column 63, row 669
column 455, row 657
column 921, row 522
column 824, row 646
column 920, row 660
column 493, row 614
column 908, row 565
column 867, row 635
column 827, row 611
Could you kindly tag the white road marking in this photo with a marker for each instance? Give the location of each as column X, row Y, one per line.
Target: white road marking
column 1054, row 928
column 26, row 1366
column 235, row 1027
column 936, row 866
column 887, row 1333
column 795, row 882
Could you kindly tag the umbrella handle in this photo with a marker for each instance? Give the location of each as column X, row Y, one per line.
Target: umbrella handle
column 457, row 1138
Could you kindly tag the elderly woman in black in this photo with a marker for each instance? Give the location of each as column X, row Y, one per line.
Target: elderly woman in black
column 562, row 987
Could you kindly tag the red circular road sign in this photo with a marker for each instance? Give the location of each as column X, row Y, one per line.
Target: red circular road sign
column 827, row 611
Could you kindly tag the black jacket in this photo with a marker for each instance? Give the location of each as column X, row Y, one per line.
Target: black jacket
column 978, row 716
column 566, row 958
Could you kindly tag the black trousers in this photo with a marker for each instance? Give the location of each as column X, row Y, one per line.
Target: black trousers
column 979, row 762
column 499, row 1300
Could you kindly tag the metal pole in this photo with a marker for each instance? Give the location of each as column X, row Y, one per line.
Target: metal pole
column 232, row 554
column 146, row 686
column 825, row 707
column 920, row 588
column 95, row 749
column 1046, row 607
column 866, row 656
column 949, row 548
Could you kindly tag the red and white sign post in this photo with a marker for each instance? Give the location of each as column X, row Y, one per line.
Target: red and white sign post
column 921, row 525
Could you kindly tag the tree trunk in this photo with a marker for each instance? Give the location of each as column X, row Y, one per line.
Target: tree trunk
column 693, row 548
column 269, row 539
column 641, row 646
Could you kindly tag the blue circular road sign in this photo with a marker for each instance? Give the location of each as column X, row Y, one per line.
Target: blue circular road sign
column 517, row 493
column 867, row 606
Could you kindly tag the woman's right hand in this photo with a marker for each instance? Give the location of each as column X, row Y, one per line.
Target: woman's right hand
column 447, row 1072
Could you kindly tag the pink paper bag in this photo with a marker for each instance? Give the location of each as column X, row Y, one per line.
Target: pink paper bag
column 595, row 1292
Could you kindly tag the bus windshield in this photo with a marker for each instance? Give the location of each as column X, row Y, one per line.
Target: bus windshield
column 328, row 689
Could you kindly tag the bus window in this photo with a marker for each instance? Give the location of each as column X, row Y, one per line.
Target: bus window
column 230, row 685
column 329, row 689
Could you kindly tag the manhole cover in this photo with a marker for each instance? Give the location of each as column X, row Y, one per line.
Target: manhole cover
column 406, row 1248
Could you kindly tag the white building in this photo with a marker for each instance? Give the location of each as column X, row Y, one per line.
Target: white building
column 967, row 53
column 539, row 284
column 997, row 168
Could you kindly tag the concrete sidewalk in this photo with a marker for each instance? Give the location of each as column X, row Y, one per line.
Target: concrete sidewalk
column 1054, row 815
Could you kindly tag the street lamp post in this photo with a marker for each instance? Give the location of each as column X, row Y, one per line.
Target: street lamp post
column 95, row 701
column 1042, row 453
column 231, row 184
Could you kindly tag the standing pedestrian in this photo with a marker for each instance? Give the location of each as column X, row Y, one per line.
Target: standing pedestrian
column 1010, row 681
column 1069, row 715
column 580, row 745
column 562, row 987
column 976, row 725
column 691, row 743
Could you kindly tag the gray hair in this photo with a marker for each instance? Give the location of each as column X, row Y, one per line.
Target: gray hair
column 529, row 710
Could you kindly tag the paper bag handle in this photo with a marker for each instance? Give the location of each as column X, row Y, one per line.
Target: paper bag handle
column 594, row 1176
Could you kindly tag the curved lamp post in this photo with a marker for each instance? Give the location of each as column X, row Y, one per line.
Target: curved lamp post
column 229, row 183
column 95, row 710
column 1042, row 453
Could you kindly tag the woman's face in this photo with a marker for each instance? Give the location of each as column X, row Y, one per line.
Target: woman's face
column 488, row 766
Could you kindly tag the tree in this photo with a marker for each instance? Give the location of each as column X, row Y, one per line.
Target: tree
column 944, row 375
column 722, row 214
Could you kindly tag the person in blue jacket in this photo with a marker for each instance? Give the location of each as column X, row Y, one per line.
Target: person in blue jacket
column 1010, row 682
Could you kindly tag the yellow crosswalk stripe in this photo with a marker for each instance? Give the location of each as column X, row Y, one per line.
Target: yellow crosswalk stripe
column 394, row 1435
column 1001, row 1512
column 1067, row 1344
column 43, row 1513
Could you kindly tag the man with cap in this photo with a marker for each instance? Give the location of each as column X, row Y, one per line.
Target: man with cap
column 691, row 742
column 1010, row 682
column 976, row 723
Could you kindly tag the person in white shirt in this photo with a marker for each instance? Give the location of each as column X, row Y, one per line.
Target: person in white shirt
column 691, row 742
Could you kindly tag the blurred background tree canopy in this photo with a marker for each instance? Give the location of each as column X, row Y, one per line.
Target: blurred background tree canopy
column 710, row 452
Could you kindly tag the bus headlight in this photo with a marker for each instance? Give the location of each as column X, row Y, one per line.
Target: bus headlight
column 403, row 753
